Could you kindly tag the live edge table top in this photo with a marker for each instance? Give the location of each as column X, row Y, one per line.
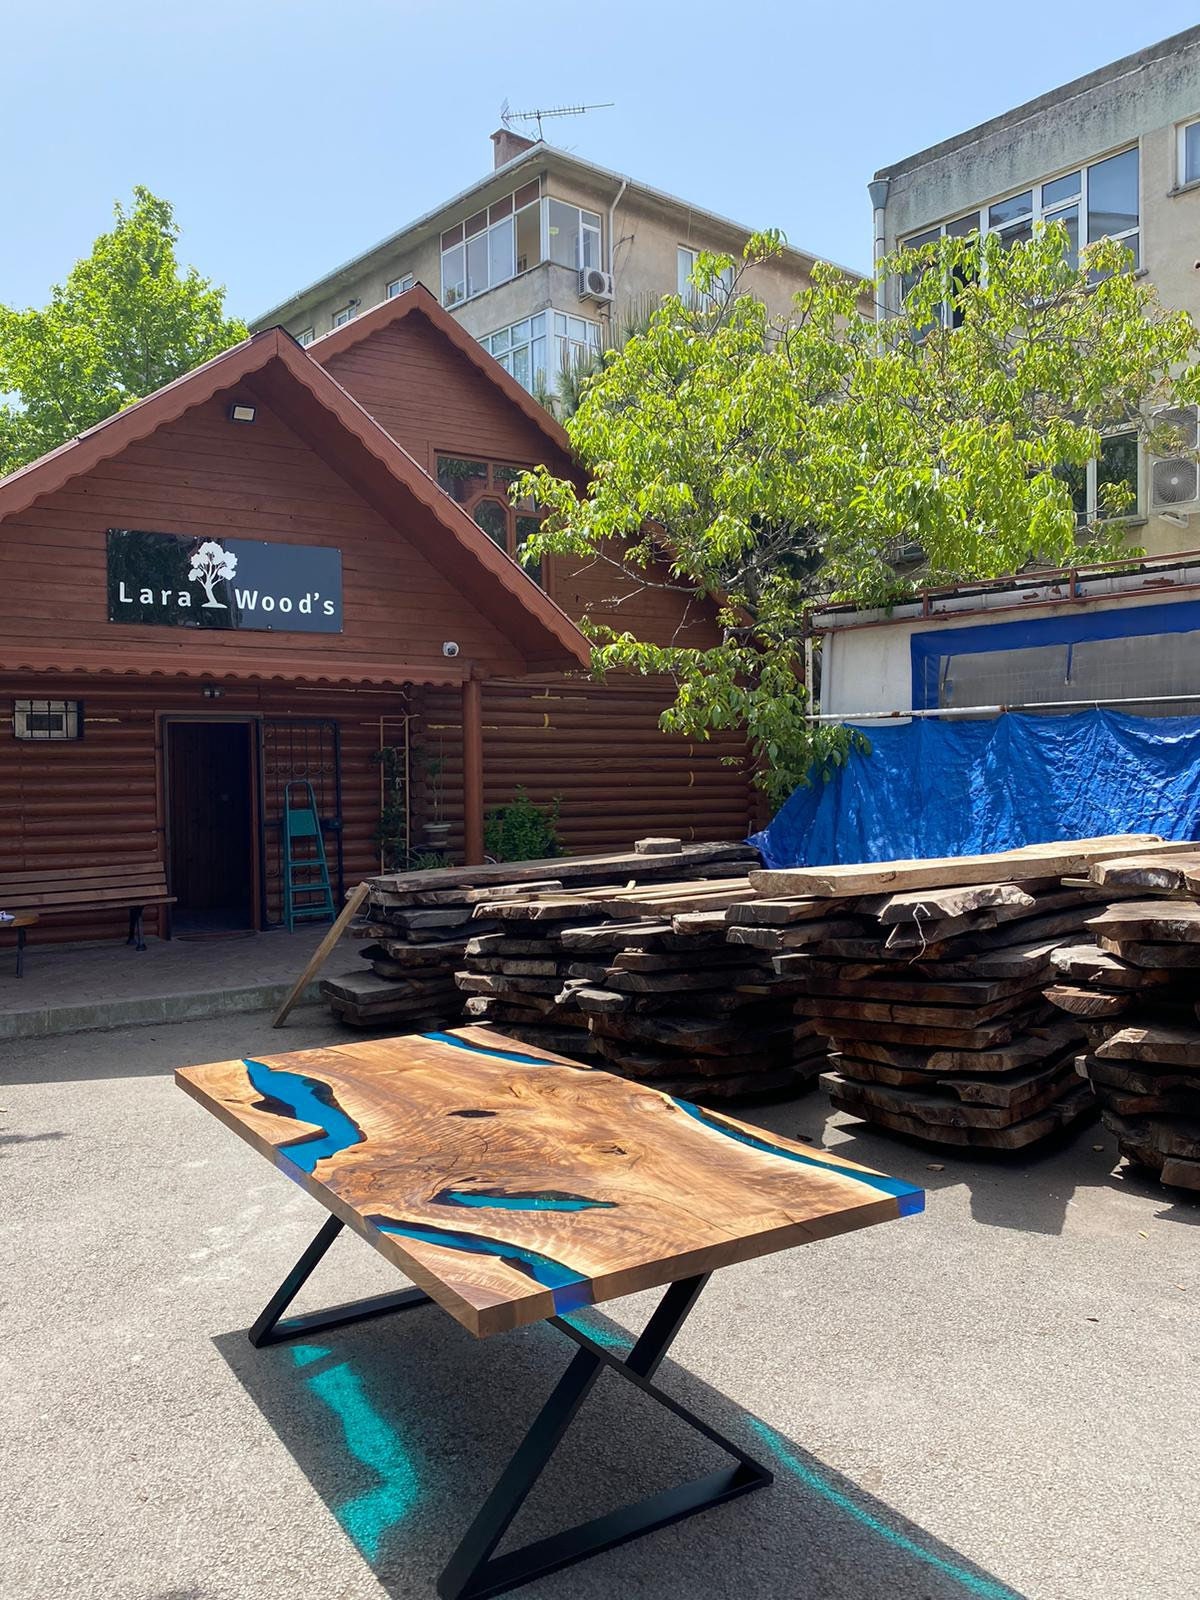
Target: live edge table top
column 513, row 1185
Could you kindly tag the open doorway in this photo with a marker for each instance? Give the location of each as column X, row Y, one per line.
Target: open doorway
column 210, row 769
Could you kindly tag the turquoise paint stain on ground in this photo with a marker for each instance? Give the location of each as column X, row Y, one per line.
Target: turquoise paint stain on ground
column 308, row 1100
column 909, row 1200
column 973, row 1582
column 550, row 1200
column 369, row 1517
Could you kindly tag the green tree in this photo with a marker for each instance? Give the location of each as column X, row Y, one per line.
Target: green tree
column 766, row 464
column 126, row 321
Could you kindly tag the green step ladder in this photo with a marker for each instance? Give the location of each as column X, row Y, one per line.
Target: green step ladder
column 307, row 894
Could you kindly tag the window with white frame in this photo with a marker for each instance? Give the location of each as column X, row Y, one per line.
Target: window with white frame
column 305, row 336
column 537, row 349
column 493, row 245
column 399, row 285
column 343, row 315
column 513, row 234
column 685, row 265
column 1110, row 484
column 1099, row 201
column 1189, row 153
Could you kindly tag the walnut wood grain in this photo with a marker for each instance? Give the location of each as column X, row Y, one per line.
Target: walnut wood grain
column 513, row 1185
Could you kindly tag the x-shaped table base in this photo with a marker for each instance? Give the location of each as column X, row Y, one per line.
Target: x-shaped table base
column 475, row 1570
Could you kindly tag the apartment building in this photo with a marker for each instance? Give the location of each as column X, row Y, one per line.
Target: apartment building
column 1115, row 153
column 540, row 261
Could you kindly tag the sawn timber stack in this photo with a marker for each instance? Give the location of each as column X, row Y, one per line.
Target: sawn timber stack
column 1133, row 982
column 642, row 981
column 417, row 924
column 928, row 978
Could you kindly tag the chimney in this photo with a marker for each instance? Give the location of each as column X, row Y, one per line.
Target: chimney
column 508, row 144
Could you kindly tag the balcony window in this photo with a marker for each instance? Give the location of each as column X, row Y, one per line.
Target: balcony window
column 399, row 285
column 685, row 265
column 1110, row 484
column 492, row 245
column 536, row 350
column 573, row 235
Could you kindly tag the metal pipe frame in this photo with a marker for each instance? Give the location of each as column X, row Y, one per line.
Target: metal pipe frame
column 474, row 1570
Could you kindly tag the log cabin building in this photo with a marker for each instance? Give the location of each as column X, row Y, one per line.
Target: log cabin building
column 299, row 564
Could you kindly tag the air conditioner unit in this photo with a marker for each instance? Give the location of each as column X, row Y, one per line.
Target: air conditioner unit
column 595, row 285
column 1175, row 480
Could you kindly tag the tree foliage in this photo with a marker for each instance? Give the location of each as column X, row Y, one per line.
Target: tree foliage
column 772, row 463
column 126, row 321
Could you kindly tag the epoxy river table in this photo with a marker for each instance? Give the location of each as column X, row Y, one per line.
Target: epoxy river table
column 512, row 1186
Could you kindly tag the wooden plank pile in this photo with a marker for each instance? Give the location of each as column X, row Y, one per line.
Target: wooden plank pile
column 642, row 981
column 417, row 924
column 927, row 978
column 1134, row 985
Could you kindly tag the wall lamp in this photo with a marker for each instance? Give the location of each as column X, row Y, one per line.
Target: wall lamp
column 239, row 412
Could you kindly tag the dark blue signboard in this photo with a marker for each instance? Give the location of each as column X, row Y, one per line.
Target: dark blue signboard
column 169, row 580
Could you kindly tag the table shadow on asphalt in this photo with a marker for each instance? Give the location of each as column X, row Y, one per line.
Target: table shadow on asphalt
column 402, row 1427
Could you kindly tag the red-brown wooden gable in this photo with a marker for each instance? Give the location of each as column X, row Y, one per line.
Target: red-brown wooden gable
column 203, row 476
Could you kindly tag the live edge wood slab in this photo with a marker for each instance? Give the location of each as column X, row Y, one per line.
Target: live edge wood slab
column 512, row 1185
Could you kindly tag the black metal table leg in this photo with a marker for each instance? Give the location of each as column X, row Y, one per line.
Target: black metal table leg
column 268, row 1329
column 475, row 1571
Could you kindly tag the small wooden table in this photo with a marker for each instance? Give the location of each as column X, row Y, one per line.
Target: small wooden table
column 20, row 920
column 514, row 1186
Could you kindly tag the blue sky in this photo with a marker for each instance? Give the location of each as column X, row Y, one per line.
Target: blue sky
column 291, row 135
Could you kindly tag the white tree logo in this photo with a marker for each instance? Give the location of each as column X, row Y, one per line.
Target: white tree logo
column 209, row 565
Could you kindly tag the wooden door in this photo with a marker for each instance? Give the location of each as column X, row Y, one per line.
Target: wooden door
column 210, row 832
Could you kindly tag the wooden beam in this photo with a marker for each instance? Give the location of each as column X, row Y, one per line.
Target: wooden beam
column 472, row 731
column 322, row 953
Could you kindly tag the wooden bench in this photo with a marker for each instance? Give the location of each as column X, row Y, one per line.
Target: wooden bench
column 66, row 891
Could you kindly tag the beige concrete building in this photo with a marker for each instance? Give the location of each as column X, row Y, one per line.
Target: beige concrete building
column 1115, row 153
column 541, row 260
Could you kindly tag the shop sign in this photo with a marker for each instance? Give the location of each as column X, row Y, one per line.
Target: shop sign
column 170, row 580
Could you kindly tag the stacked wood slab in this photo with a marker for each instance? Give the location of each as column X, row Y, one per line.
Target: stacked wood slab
column 642, row 981
column 417, row 925
column 928, row 977
column 1134, row 983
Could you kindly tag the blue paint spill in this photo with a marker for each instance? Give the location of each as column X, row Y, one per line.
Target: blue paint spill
column 482, row 1050
column 308, row 1100
column 368, row 1518
column 497, row 1199
column 975, row 1583
column 909, row 1200
column 569, row 1289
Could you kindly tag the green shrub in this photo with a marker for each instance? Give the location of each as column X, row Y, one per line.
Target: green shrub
column 523, row 830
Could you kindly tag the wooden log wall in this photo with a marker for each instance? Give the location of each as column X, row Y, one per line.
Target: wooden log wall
column 97, row 799
column 596, row 745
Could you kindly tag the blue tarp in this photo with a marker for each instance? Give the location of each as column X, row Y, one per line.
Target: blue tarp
column 944, row 788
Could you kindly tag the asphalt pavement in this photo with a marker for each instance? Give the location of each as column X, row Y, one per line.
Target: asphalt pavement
column 998, row 1399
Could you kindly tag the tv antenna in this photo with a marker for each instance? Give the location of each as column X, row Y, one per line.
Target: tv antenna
column 508, row 117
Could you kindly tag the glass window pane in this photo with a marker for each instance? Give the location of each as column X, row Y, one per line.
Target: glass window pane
column 576, row 327
column 527, row 194
column 590, row 247
column 1060, row 189
column 461, row 479
column 520, row 332
column 529, row 237
column 1117, row 472
column 563, row 223
column 537, row 325
column 560, row 322
column 492, row 517
column 500, row 341
column 500, row 208
column 591, row 219
column 1017, row 205
column 1191, row 154
column 526, row 528
column 1113, row 195
column 452, row 236
column 454, row 276
column 685, row 260
column 1075, row 479
column 915, row 243
column 520, row 366
column 538, row 372
column 477, row 263
column 1019, row 233
column 500, row 252
column 476, row 224
column 963, row 226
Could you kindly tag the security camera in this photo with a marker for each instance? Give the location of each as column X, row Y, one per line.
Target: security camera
column 450, row 648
